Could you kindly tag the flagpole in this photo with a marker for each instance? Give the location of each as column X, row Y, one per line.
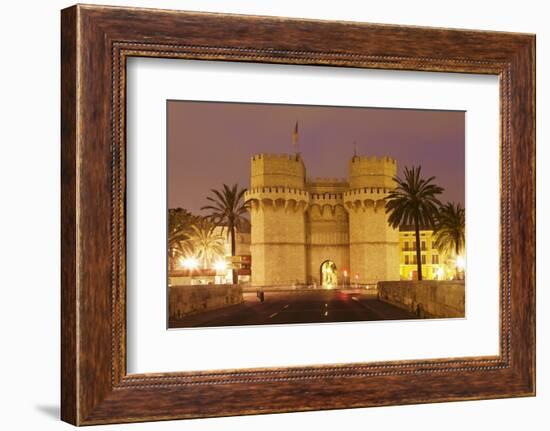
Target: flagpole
column 295, row 139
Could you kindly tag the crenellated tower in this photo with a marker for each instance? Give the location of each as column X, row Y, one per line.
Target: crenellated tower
column 300, row 227
column 278, row 202
column 374, row 245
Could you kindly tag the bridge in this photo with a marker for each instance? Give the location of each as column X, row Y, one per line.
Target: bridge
column 297, row 306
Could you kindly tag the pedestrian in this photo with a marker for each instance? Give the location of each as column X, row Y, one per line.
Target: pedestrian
column 260, row 295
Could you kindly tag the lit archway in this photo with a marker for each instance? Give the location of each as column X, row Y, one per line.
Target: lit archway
column 329, row 274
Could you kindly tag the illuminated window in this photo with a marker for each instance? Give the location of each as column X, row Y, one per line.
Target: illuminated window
column 406, row 245
column 406, row 259
column 423, row 243
column 423, row 259
column 435, row 259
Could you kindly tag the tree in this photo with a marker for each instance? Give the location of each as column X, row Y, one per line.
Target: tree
column 449, row 229
column 414, row 202
column 179, row 226
column 227, row 209
column 206, row 243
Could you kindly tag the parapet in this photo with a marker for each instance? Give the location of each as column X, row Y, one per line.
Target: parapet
column 371, row 171
column 277, row 170
column 327, row 185
column 276, row 198
column 277, row 157
column 276, row 190
column 325, row 180
column 373, row 160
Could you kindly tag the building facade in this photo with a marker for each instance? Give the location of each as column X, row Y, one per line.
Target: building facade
column 435, row 265
column 321, row 232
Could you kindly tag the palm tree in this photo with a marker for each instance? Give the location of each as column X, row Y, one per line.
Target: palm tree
column 179, row 224
column 178, row 251
column 413, row 202
column 449, row 229
column 207, row 245
column 228, row 209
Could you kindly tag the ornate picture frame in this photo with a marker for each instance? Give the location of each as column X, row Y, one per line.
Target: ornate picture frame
column 96, row 41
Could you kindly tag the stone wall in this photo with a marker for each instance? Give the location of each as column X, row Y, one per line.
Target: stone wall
column 185, row 300
column 372, row 172
column 374, row 246
column 296, row 225
column 426, row 298
column 277, row 170
column 327, row 238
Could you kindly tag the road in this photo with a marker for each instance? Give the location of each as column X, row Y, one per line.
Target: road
column 283, row 307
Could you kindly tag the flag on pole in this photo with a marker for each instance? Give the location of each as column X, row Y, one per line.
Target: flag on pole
column 295, row 136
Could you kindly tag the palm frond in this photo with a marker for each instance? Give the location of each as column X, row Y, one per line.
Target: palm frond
column 413, row 202
column 449, row 229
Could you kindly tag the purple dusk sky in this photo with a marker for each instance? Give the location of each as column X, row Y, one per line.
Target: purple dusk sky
column 210, row 143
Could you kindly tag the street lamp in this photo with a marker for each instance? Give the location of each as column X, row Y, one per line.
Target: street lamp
column 189, row 263
column 220, row 265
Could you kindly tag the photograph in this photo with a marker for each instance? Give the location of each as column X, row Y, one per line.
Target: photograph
column 300, row 214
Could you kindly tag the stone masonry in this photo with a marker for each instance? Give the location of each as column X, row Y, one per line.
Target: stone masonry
column 297, row 224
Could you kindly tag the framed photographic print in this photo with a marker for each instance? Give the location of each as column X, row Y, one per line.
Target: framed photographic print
column 269, row 215
column 279, row 246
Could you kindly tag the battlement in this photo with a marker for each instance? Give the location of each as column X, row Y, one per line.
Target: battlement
column 327, row 196
column 365, row 198
column 275, row 189
column 277, row 170
column 371, row 171
column 266, row 198
column 367, row 191
column 300, row 223
column 321, row 186
column 277, row 157
column 327, row 180
column 373, row 160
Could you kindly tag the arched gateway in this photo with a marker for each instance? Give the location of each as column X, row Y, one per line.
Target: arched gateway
column 329, row 274
column 297, row 222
